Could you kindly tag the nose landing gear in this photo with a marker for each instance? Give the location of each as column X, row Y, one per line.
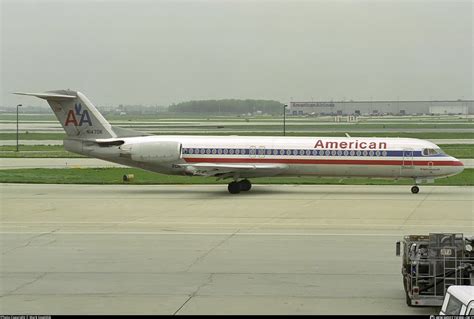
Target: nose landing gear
column 236, row 187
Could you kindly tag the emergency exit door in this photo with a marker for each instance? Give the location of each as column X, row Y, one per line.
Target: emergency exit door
column 407, row 161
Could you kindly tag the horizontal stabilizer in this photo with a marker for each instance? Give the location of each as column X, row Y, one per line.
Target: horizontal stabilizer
column 48, row 96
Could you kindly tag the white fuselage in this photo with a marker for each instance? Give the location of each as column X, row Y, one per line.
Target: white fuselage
column 317, row 156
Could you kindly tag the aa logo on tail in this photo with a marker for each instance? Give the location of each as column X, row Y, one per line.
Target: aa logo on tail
column 77, row 113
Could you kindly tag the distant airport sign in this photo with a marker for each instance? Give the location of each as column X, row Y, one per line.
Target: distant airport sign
column 312, row 104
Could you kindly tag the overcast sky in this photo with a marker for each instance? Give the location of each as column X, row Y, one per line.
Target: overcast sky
column 160, row 52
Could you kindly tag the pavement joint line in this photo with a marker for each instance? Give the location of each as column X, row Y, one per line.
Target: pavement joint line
column 209, row 280
column 229, row 236
column 24, row 285
column 30, row 240
column 415, row 209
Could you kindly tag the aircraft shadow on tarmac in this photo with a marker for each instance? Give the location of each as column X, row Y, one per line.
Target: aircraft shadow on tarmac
column 268, row 190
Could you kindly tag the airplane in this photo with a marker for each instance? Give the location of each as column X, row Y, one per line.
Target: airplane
column 239, row 158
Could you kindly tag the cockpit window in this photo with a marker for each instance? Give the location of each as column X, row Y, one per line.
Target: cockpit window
column 431, row 151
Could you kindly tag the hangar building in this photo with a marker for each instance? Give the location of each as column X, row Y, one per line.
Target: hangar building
column 452, row 107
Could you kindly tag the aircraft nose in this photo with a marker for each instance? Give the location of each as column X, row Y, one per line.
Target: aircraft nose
column 458, row 166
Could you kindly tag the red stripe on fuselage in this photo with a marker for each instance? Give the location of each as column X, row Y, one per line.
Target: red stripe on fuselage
column 319, row 161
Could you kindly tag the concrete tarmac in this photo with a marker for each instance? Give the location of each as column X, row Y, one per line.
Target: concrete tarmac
column 17, row 163
column 195, row 249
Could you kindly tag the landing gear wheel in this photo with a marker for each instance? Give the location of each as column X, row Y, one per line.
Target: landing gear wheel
column 245, row 185
column 415, row 189
column 234, row 187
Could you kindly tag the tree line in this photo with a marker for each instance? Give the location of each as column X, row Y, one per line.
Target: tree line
column 229, row 106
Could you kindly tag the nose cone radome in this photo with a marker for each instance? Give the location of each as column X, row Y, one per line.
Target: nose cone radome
column 458, row 166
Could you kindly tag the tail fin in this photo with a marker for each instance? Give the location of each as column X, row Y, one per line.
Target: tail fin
column 77, row 114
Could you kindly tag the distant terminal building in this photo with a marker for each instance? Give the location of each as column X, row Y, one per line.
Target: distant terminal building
column 461, row 107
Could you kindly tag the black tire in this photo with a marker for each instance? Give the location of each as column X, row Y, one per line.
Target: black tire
column 245, row 185
column 415, row 189
column 234, row 188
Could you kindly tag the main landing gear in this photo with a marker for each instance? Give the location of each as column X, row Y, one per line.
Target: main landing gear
column 236, row 187
column 415, row 189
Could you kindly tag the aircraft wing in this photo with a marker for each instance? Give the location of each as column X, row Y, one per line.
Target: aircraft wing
column 229, row 170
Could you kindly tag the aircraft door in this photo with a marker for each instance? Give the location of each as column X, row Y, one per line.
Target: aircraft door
column 407, row 161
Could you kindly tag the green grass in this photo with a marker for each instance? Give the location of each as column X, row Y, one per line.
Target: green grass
column 172, row 116
column 33, row 136
column 36, row 151
column 421, row 135
column 32, row 148
column 26, row 154
column 114, row 176
column 28, row 117
column 458, row 150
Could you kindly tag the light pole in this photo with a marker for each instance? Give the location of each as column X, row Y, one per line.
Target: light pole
column 284, row 119
column 17, row 126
